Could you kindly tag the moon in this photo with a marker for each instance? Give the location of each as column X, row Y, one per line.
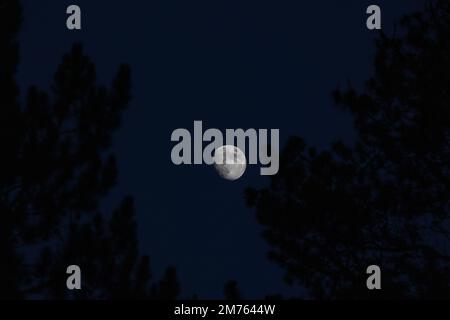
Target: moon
column 230, row 162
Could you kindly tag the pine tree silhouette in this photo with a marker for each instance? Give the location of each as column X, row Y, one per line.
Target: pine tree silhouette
column 384, row 200
column 231, row 291
column 55, row 168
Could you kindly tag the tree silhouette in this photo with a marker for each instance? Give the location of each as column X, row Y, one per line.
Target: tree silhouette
column 231, row 291
column 55, row 169
column 330, row 214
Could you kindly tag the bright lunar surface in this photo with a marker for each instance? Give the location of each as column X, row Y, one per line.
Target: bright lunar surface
column 230, row 162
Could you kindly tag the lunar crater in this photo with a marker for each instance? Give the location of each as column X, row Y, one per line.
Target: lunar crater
column 230, row 162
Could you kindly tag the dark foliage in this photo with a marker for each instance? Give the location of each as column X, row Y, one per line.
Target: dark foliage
column 330, row 214
column 231, row 291
column 55, row 169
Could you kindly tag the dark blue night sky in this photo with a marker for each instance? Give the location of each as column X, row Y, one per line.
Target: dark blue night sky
column 231, row 64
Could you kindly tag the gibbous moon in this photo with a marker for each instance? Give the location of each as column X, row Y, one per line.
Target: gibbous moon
column 230, row 162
